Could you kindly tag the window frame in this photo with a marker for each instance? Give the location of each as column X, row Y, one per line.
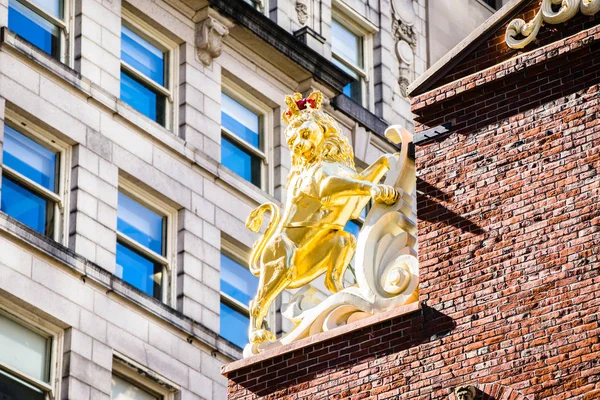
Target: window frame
column 64, row 25
column 43, row 328
column 171, row 50
column 265, row 118
column 169, row 260
column 63, row 154
column 142, row 377
column 241, row 257
column 365, row 30
column 261, row 6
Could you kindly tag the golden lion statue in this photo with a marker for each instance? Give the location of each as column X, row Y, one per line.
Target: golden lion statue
column 324, row 191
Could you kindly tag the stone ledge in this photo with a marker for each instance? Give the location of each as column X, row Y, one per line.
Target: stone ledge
column 191, row 328
column 320, row 337
column 284, row 42
column 13, row 44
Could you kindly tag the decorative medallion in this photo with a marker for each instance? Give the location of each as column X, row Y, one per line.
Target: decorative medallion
column 404, row 17
column 404, row 10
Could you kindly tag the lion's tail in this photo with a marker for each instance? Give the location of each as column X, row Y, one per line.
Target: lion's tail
column 254, row 223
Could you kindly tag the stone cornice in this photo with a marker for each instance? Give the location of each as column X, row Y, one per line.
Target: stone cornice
column 365, row 118
column 322, row 69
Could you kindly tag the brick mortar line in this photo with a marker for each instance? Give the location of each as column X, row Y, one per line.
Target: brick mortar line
column 321, row 337
column 506, row 68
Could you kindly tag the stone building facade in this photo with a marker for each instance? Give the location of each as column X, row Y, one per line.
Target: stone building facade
column 136, row 137
column 508, row 226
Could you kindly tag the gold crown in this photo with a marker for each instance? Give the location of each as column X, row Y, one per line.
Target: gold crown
column 297, row 105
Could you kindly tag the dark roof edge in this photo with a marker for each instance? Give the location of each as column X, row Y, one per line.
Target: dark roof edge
column 438, row 70
column 365, row 118
column 322, row 69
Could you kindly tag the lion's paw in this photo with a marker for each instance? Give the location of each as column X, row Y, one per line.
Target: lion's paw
column 261, row 335
column 385, row 194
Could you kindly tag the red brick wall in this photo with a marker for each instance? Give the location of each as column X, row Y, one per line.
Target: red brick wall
column 509, row 231
column 494, row 51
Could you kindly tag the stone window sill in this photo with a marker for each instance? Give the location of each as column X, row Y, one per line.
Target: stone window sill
column 93, row 274
column 10, row 42
column 13, row 43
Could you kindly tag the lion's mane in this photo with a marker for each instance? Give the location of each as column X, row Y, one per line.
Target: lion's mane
column 334, row 147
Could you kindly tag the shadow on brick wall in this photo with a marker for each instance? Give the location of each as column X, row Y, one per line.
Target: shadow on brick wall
column 430, row 209
column 344, row 358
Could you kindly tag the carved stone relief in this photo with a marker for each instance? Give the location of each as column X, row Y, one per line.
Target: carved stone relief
column 404, row 33
column 302, row 11
column 210, row 30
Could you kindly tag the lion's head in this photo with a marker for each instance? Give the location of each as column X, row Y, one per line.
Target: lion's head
column 313, row 135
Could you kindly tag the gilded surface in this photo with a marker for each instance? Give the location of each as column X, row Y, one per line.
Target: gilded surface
column 306, row 239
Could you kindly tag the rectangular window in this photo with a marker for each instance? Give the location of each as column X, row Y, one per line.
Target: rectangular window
column 258, row 4
column 238, row 287
column 141, row 246
column 495, row 4
column 31, row 184
column 147, row 78
column 40, row 22
column 347, row 49
column 241, row 140
column 25, row 360
column 134, row 381
column 122, row 389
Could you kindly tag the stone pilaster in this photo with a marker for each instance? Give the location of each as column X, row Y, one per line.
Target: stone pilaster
column 98, row 43
column 94, row 194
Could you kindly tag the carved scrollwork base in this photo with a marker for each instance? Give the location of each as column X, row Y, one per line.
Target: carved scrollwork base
column 520, row 33
column 385, row 263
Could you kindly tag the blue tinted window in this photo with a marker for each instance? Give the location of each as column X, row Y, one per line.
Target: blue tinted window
column 29, row 158
column 239, row 120
column 27, row 207
column 142, row 56
column 234, row 325
column 52, row 7
column 346, row 44
column 141, row 224
column 240, row 161
column 353, row 227
column 138, row 271
column 353, row 89
column 142, row 98
column 365, row 211
column 33, row 28
column 237, row 281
